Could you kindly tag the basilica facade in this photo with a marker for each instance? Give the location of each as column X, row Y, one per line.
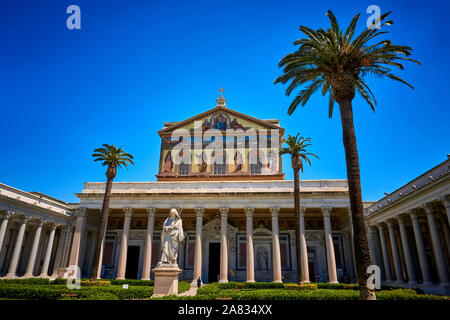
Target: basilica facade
column 238, row 217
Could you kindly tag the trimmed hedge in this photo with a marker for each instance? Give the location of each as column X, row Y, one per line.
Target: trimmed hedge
column 305, row 286
column 338, row 286
column 132, row 282
column 58, row 292
column 183, row 286
column 249, row 285
column 213, row 291
column 99, row 283
column 39, row 281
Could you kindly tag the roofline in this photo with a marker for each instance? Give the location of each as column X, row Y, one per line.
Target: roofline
column 416, row 178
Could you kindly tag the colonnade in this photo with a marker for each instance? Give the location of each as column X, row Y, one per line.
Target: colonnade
column 401, row 248
column 18, row 246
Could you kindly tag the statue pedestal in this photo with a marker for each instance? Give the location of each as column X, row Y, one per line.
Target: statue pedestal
column 166, row 280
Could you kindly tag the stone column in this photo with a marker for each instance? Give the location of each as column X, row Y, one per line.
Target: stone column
column 446, row 202
column 34, row 248
column 67, row 245
column 198, row 245
column 3, row 226
column 81, row 214
column 303, row 248
column 148, row 244
column 60, row 250
column 387, row 263
column 17, row 248
column 250, row 261
column 124, row 245
column 48, row 252
column 436, row 244
column 331, row 260
column 420, row 249
column 445, row 232
column 395, row 253
column 276, row 257
column 371, row 240
column 223, row 245
column 408, row 259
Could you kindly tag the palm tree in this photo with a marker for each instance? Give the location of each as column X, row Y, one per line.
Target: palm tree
column 296, row 147
column 113, row 158
column 335, row 62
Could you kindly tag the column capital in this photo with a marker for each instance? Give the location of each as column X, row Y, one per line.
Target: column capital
column 427, row 208
column 446, row 201
column 52, row 225
column 151, row 211
column 390, row 223
column 80, row 212
column 326, row 211
column 274, row 211
column 224, row 212
column 24, row 219
column 7, row 215
column 412, row 214
column 249, row 211
column 302, row 211
column 371, row 228
column 401, row 219
column 128, row 212
column 41, row 222
column 380, row 226
column 199, row 211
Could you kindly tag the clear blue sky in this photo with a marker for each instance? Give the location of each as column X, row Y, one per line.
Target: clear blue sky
column 136, row 64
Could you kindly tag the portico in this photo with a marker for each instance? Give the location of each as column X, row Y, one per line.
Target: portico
column 252, row 223
column 411, row 245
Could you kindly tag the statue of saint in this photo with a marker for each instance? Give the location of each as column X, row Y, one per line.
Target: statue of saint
column 171, row 235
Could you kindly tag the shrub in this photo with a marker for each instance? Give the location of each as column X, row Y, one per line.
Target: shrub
column 250, row 285
column 132, row 282
column 338, row 286
column 41, row 281
column 57, row 292
column 209, row 289
column 305, row 286
column 183, row 286
column 98, row 283
column 405, row 294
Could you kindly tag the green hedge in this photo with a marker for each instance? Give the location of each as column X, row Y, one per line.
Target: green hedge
column 132, row 282
column 249, row 285
column 213, row 291
column 305, row 286
column 40, row 281
column 183, row 286
column 58, row 292
column 337, row 286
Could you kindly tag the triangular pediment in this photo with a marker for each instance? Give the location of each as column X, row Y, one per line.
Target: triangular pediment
column 221, row 118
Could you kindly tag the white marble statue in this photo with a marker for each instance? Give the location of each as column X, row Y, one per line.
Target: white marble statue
column 171, row 235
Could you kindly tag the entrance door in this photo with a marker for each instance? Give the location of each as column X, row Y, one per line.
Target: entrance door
column 132, row 262
column 214, row 262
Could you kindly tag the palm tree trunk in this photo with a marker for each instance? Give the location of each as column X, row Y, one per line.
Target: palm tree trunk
column 297, row 223
column 102, row 229
column 361, row 247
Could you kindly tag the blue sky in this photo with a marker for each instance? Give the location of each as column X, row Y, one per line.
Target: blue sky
column 136, row 64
